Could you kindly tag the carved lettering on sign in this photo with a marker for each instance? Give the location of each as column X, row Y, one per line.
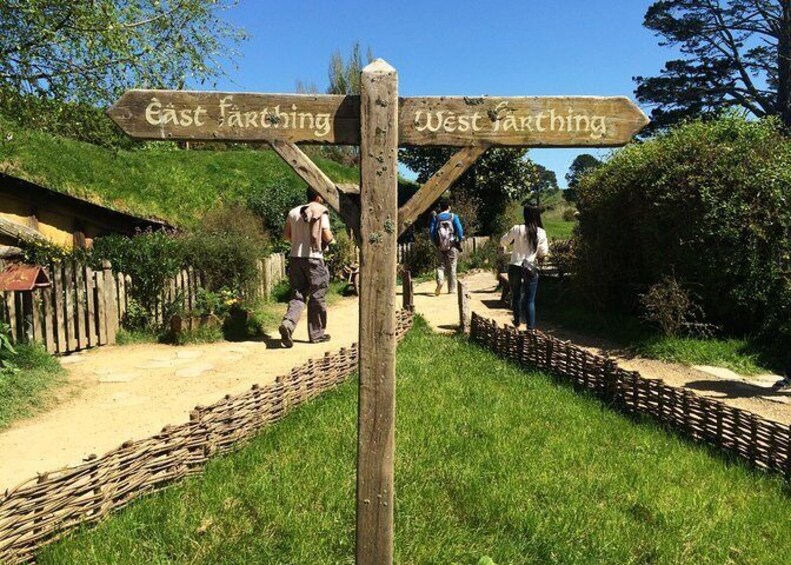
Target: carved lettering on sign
column 504, row 119
column 538, row 121
column 229, row 114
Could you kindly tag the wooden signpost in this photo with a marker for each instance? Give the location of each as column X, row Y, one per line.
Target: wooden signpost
column 378, row 121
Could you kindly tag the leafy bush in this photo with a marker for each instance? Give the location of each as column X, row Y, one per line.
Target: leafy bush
column 273, row 203
column 671, row 308
column 150, row 258
column 562, row 255
column 343, row 253
column 7, row 350
column 707, row 201
column 226, row 248
column 423, row 257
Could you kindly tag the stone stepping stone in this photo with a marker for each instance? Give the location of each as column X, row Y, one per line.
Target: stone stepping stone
column 162, row 364
column 117, row 377
column 189, row 354
column 124, row 399
column 195, row 370
column 71, row 359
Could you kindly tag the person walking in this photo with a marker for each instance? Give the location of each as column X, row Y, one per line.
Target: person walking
column 308, row 230
column 447, row 234
column 529, row 246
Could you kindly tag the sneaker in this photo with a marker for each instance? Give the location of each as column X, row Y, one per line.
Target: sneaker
column 438, row 291
column 783, row 385
column 285, row 336
column 323, row 339
column 516, row 323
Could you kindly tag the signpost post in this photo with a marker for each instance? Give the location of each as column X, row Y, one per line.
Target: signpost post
column 378, row 121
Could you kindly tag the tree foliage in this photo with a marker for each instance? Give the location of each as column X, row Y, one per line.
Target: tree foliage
column 707, row 202
column 734, row 53
column 92, row 51
column 498, row 177
column 581, row 166
column 344, row 76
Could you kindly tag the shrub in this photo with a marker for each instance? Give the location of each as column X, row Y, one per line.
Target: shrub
column 226, row 248
column 7, row 351
column 343, row 253
column 562, row 255
column 149, row 258
column 423, row 256
column 273, row 203
column 569, row 215
column 671, row 308
column 707, row 201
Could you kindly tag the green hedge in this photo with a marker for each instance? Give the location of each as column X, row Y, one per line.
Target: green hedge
column 708, row 202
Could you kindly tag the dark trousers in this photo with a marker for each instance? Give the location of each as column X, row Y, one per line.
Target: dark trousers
column 523, row 296
column 309, row 280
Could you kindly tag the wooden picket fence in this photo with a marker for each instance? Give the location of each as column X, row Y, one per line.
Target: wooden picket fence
column 83, row 308
column 762, row 443
column 469, row 245
column 45, row 508
column 79, row 310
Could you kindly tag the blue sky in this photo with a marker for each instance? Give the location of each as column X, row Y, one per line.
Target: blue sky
column 508, row 48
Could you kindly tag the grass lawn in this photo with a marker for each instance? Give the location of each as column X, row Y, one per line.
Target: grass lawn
column 179, row 186
column 490, row 461
column 556, row 305
column 30, row 389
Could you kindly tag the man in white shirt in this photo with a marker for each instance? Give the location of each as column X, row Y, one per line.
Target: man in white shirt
column 308, row 230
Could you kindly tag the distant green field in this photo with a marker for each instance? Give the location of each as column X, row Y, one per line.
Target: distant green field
column 553, row 206
column 490, row 461
column 163, row 181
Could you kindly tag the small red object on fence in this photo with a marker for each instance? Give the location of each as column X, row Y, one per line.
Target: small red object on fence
column 23, row 277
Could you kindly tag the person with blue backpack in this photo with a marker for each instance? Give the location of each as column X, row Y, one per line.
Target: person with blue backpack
column 447, row 234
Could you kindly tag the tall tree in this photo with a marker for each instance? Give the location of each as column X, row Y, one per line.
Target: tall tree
column 92, row 51
column 581, row 166
column 345, row 75
column 736, row 53
column 497, row 178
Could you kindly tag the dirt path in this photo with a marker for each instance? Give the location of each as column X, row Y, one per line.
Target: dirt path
column 751, row 393
column 131, row 392
column 127, row 392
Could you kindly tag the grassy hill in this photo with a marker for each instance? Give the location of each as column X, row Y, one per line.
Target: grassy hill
column 160, row 180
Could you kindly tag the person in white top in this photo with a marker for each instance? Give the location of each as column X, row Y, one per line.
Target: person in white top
column 529, row 245
column 308, row 230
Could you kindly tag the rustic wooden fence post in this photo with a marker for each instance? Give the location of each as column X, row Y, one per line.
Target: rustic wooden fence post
column 464, row 308
column 379, row 234
column 408, row 291
column 110, row 302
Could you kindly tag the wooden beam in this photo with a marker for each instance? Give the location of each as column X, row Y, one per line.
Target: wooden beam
column 308, row 171
column 19, row 232
column 379, row 240
column 436, row 186
column 9, row 251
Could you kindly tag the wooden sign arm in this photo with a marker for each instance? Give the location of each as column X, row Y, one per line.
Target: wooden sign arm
column 342, row 202
column 437, row 185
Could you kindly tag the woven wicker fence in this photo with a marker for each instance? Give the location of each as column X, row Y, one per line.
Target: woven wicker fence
column 764, row 443
column 46, row 508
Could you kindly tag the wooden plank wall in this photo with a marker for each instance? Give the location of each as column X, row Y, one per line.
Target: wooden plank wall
column 84, row 308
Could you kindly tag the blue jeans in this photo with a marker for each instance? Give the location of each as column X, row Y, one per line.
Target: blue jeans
column 523, row 296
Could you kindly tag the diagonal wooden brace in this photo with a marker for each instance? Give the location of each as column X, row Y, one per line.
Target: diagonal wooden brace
column 437, row 185
column 345, row 202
